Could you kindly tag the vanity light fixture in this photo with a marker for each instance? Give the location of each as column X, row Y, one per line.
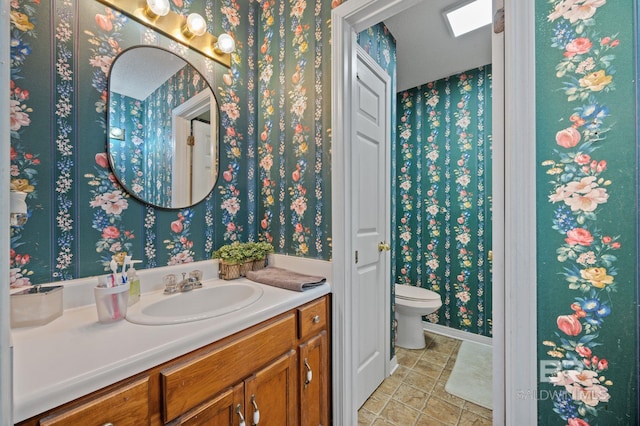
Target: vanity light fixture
column 190, row 31
column 225, row 44
column 195, row 26
column 157, row 8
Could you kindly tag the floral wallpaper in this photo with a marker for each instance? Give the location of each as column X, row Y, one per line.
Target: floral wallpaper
column 273, row 186
column 587, row 198
column 443, row 211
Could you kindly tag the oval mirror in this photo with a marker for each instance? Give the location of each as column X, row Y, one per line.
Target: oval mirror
column 162, row 128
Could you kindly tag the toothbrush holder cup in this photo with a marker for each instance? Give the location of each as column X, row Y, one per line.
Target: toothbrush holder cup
column 111, row 302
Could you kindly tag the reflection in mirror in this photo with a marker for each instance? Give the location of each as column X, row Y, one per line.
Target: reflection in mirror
column 163, row 128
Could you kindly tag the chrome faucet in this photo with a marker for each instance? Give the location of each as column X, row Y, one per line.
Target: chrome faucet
column 187, row 284
column 184, row 285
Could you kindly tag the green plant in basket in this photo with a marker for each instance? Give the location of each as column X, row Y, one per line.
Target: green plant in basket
column 263, row 249
column 233, row 253
column 238, row 252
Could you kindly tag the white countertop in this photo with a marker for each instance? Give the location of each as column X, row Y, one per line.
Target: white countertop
column 75, row 354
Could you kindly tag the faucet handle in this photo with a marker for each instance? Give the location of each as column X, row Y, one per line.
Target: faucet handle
column 170, row 283
column 196, row 276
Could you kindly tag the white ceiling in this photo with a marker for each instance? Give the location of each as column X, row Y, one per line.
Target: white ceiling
column 427, row 51
column 140, row 71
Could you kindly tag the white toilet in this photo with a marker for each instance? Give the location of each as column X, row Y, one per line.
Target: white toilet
column 412, row 303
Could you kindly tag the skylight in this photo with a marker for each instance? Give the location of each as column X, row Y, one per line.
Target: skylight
column 469, row 17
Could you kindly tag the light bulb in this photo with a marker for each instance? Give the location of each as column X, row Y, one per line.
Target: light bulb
column 196, row 25
column 225, row 43
column 157, row 8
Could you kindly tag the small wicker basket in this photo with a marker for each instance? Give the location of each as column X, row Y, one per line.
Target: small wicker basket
column 229, row 271
column 259, row 264
column 246, row 267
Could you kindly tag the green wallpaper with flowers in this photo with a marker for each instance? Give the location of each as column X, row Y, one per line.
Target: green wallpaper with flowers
column 443, row 212
column 587, row 212
column 274, row 155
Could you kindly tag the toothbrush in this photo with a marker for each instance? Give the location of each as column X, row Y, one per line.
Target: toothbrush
column 114, row 268
column 114, row 297
column 127, row 261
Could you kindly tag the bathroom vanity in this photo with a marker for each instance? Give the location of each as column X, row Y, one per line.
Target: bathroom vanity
column 268, row 363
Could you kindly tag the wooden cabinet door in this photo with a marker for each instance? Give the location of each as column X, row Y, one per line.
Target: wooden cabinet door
column 314, row 381
column 220, row 411
column 271, row 392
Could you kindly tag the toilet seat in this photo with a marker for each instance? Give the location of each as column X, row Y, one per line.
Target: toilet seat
column 415, row 294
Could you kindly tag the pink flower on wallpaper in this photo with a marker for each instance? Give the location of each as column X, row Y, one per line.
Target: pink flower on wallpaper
column 591, row 395
column 266, row 162
column 299, row 205
column 582, row 159
column 231, row 109
column 180, row 258
column 232, row 15
column 18, row 118
column 298, row 8
column 579, row 236
column 176, row 226
column 584, row 195
column 589, row 201
column 583, row 351
column 110, row 232
column 580, row 10
column 111, row 202
column 569, row 325
column 103, row 62
column 16, row 279
column 231, row 205
column 568, row 138
column 578, row 46
column 576, row 422
column 104, row 22
column 102, row 160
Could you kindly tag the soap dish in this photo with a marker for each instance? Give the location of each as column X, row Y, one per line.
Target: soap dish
column 35, row 305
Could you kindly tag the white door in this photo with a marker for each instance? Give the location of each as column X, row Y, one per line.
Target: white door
column 202, row 166
column 370, row 204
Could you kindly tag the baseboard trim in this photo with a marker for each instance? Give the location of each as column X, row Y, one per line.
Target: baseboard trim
column 393, row 365
column 456, row 334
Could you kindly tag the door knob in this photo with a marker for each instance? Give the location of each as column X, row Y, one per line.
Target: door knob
column 382, row 246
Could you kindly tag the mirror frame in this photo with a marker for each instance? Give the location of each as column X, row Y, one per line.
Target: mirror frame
column 216, row 142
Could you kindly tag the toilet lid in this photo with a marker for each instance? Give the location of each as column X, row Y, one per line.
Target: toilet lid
column 410, row 292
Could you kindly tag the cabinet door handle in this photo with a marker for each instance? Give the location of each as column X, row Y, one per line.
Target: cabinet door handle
column 108, row 424
column 256, row 411
column 309, row 372
column 316, row 319
column 239, row 411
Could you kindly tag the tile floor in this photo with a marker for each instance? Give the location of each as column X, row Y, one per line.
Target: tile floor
column 415, row 395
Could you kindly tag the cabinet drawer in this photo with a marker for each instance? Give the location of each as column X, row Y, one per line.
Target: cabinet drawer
column 127, row 406
column 312, row 318
column 195, row 381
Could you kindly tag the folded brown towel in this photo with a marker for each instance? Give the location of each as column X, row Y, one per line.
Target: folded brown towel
column 284, row 278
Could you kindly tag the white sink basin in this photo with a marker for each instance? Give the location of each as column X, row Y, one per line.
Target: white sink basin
column 207, row 302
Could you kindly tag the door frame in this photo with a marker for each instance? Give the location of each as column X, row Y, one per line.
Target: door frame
column 181, row 117
column 6, row 350
column 514, row 231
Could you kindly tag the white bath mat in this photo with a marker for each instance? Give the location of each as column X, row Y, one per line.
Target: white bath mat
column 471, row 378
